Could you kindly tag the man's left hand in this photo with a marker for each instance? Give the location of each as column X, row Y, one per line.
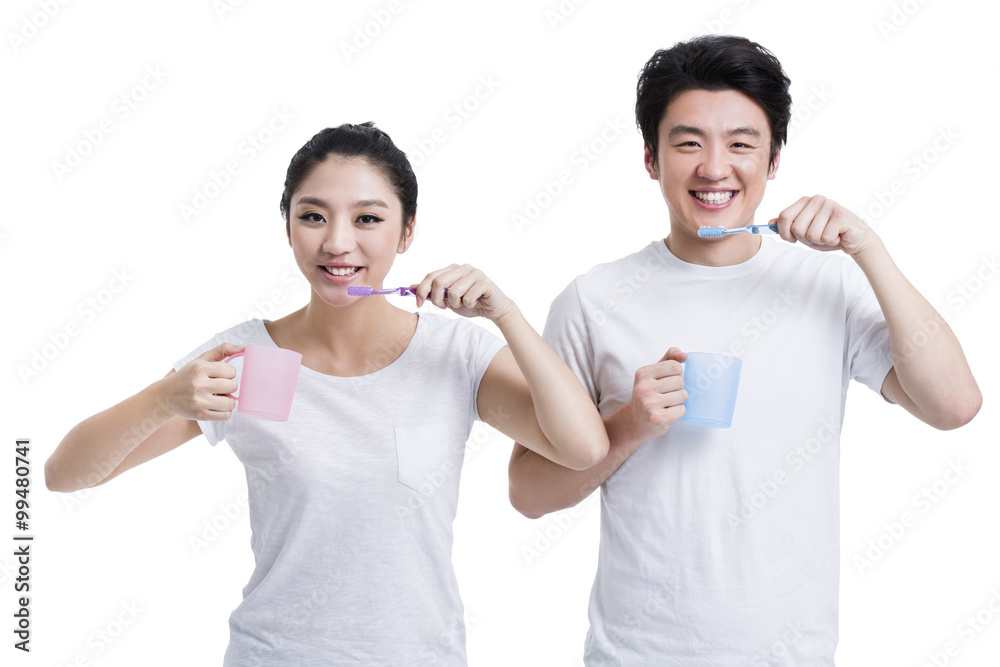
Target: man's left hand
column 823, row 224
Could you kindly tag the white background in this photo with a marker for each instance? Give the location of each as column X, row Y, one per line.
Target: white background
column 869, row 96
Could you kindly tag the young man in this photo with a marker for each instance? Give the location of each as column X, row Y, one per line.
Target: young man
column 690, row 572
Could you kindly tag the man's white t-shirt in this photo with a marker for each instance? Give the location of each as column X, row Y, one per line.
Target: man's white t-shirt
column 720, row 547
column 351, row 505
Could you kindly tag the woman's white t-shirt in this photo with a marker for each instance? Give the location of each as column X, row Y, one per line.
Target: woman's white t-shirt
column 351, row 505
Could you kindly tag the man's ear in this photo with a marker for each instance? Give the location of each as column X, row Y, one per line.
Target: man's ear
column 407, row 238
column 650, row 162
column 773, row 170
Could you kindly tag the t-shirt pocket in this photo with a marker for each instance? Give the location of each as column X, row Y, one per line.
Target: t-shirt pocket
column 424, row 457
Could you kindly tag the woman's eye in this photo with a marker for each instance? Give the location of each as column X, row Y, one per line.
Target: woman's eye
column 311, row 217
column 369, row 219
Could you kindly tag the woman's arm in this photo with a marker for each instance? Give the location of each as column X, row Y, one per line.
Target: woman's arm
column 150, row 423
column 527, row 392
column 539, row 486
column 531, row 396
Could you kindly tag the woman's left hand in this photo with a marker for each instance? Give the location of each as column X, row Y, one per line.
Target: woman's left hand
column 470, row 292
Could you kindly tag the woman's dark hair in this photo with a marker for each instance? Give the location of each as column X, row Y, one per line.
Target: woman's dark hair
column 713, row 62
column 363, row 141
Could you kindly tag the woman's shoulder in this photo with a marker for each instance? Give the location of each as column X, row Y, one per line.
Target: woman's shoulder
column 248, row 332
column 454, row 330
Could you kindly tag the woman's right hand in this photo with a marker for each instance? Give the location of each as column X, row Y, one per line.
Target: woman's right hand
column 198, row 390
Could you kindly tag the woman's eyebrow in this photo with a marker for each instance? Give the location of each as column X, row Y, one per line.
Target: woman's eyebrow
column 361, row 203
column 365, row 203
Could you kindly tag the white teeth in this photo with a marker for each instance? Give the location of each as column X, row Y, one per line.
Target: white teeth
column 341, row 271
column 714, row 197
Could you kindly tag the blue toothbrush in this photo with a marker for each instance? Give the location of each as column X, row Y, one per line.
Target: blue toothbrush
column 715, row 232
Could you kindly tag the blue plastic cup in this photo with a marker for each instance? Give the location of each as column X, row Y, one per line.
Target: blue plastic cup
column 711, row 381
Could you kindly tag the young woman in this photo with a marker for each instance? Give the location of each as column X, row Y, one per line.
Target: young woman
column 352, row 499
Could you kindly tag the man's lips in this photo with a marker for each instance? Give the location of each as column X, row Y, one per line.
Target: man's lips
column 714, row 199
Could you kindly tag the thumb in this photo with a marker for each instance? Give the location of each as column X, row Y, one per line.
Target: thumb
column 675, row 354
column 221, row 352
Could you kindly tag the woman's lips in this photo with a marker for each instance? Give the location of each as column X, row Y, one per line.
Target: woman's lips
column 340, row 279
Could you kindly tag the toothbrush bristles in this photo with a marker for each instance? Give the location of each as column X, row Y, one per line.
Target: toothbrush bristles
column 711, row 232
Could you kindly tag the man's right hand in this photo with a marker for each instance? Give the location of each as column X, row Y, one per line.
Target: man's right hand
column 657, row 395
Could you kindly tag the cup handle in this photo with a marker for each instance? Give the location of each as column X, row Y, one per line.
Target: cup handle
column 233, row 356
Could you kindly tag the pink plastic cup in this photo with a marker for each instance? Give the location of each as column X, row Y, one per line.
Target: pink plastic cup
column 268, row 382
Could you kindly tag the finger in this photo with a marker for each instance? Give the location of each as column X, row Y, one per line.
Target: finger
column 800, row 225
column 467, row 289
column 786, row 217
column 220, row 408
column 220, row 352
column 670, row 384
column 835, row 226
column 414, row 287
column 458, row 290
column 819, row 224
column 442, row 283
column 676, row 397
column 220, row 403
column 222, row 386
column 221, row 369
column 664, row 369
column 674, row 413
column 674, row 353
column 424, row 287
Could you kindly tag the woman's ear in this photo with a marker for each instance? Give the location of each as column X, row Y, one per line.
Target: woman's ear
column 407, row 237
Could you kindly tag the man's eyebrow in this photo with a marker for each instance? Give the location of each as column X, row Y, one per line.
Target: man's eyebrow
column 745, row 130
column 689, row 129
column 685, row 129
column 361, row 203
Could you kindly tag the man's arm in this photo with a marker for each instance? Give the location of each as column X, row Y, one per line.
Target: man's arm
column 539, row 486
column 930, row 376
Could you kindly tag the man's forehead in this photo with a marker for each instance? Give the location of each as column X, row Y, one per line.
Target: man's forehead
column 728, row 112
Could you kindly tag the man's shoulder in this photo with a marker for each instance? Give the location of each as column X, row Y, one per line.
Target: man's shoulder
column 605, row 275
column 814, row 264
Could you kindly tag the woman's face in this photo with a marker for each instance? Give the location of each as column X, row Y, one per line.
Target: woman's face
column 344, row 227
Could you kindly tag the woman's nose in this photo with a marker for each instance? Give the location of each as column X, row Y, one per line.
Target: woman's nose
column 339, row 237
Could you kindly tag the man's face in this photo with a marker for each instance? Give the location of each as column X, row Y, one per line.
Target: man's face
column 712, row 160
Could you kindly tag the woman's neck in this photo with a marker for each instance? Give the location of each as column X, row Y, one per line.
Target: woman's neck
column 352, row 340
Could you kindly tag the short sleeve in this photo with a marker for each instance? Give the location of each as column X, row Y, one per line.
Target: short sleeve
column 214, row 430
column 567, row 332
column 483, row 345
column 867, row 351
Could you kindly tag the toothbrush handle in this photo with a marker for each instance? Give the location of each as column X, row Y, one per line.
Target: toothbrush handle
column 764, row 229
column 412, row 291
